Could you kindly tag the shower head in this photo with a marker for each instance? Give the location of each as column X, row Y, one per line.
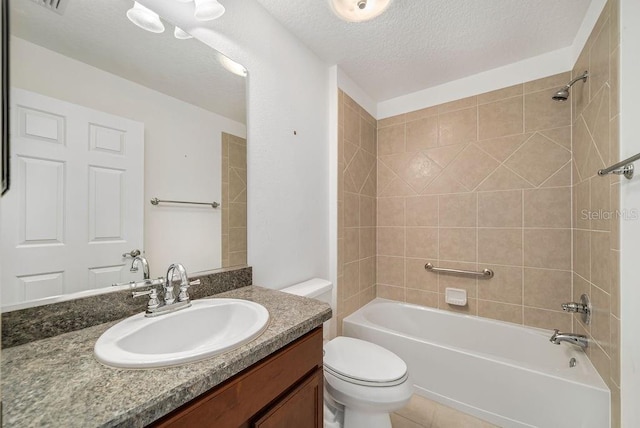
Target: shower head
column 563, row 94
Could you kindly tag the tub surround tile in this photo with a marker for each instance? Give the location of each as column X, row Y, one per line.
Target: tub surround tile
column 390, row 292
column 457, row 244
column 422, row 134
column 423, row 298
column 502, row 199
column 500, row 311
column 422, row 242
column 538, row 221
column 391, row 211
column 505, row 287
column 549, row 208
column 501, row 118
column 27, row 325
column 418, row 278
column 500, row 246
column 65, row 371
column 421, row 211
column 548, row 320
column 596, row 238
column 546, row 289
column 547, row 248
column 360, row 181
column 458, row 210
column 390, row 271
column 500, row 209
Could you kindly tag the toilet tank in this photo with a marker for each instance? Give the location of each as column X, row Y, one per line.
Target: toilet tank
column 315, row 288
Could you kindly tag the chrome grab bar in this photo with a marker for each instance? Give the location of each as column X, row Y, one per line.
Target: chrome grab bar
column 485, row 273
column 624, row 167
column 156, row 201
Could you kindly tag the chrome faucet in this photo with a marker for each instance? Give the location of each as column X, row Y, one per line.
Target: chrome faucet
column 145, row 266
column 575, row 339
column 169, row 296
column 154, row 307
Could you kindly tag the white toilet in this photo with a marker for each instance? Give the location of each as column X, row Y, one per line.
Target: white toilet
column 363, row 382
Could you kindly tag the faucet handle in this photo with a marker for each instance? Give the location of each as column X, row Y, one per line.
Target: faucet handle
column 184, row 296
column 153, row 297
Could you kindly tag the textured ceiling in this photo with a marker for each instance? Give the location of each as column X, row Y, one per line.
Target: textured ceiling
column 98, row 33
column 418, row 44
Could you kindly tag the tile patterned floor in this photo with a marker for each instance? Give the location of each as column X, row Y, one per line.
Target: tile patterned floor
column 424, row 413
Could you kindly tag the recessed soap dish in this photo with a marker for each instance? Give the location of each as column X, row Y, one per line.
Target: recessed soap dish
column 455, row 296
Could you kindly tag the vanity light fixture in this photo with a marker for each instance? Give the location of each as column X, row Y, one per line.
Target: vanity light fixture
column 145, row 18
column 179, row 33
column 358, row 10
column 232, row 66
column 207, row 10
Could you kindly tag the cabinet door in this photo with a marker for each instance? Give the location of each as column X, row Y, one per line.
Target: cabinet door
column 301, row 408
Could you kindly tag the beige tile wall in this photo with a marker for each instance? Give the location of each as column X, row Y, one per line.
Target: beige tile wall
column 234, row 200
column 356, row 207
column 596, row 243
column 482, row 182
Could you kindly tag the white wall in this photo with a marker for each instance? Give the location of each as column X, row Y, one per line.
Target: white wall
column 182, row 150
column 630, row 199
column 288, row 178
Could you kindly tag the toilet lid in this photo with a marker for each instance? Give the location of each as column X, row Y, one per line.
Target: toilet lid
column 363, row 362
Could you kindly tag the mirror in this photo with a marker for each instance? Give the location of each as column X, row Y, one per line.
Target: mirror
column 105, row 117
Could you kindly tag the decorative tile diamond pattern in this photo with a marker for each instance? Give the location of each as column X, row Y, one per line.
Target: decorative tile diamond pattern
column 538, row 159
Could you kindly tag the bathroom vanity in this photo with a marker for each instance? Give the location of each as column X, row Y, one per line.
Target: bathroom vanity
column 274, row 380
column 284, row 389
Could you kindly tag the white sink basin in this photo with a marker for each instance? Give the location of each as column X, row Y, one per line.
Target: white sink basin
column 207, row 328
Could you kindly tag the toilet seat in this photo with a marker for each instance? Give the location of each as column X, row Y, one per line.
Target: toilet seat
column 363, row 363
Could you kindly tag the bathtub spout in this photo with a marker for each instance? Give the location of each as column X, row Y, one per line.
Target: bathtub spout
column 575, row 339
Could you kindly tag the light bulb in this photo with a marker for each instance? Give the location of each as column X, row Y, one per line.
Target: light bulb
column 232, row 66
column 179, row 33
column 207, row 10
column 358, row 10
column 145, row 18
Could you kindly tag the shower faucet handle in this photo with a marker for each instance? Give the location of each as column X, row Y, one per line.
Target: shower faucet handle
column 575, row 307
column 583, row 307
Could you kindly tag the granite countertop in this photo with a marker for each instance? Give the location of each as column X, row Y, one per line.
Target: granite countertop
column 58, row 382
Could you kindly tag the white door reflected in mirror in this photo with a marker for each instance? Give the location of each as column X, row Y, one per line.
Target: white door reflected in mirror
column 52, row 216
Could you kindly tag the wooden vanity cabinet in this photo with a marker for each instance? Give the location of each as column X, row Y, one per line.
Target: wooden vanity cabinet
column 282, row 390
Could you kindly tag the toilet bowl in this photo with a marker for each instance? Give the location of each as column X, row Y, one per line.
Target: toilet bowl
column 367, row 380
column 363, row 382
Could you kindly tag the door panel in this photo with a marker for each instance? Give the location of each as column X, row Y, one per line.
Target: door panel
column 77, row 204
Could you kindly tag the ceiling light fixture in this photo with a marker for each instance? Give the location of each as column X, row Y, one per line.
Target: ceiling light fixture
column 358, row 10
column 179, row 33
column 145, row 18
column 207, row 10
column 232, row 66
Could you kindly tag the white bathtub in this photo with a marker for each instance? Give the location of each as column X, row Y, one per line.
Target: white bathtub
column 506, row 374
